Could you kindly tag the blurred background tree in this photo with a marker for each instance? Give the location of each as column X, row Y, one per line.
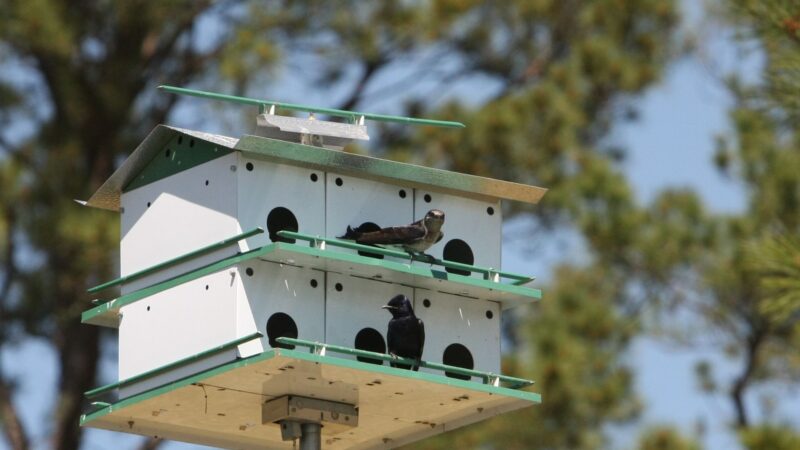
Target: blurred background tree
column 747, row 290
column 540, row 85
column 735, row 277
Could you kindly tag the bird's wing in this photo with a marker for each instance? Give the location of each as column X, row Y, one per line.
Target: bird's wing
column 441, row 236
column 391, row 338
column 421, row 336
column 392, row 235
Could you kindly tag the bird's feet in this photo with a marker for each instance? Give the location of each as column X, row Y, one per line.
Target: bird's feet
column 424, row 257
column 428, row 258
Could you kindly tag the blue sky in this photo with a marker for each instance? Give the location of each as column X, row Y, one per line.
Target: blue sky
column 670, row 146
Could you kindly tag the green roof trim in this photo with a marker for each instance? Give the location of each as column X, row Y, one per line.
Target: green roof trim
column 105, row 314
column 153, row 151
column 384, row 170
column 319, row 359
column 155, row 144
column 179, row 154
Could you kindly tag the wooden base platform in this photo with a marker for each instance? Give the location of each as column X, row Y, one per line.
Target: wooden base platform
column 222, row 407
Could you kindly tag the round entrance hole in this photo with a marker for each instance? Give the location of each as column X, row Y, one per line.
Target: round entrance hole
column 459, row 356
column 281, row 325
column 280, row 219
column 371, row 340
column 458, row 251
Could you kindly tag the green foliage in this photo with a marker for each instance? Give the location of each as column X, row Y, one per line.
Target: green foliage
column 69, row 110
column 665, row 438
column 558, row 74
column 776, row 258
column 775, row 26
column 752, row 274
column 736, row 274
column 704, row 372
column 562, row 75
column 770, row 437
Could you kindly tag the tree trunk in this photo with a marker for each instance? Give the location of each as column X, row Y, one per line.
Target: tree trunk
column 79, row 349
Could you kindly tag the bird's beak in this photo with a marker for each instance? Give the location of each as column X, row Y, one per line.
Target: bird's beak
column 388, row 307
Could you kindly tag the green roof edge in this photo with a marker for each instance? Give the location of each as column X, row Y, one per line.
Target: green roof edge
column 318, row 158
column 385, row 170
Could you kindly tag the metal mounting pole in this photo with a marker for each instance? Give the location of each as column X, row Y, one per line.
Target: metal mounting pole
column 311, row 437
column 302, row 417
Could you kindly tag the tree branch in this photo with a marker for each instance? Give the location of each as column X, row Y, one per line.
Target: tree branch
column 79, row 350
column 10, row 269
column 742, row 382
column 12, row 426
column 424, row 67
column 370, row 69
column 13, row 429
column 166, row 45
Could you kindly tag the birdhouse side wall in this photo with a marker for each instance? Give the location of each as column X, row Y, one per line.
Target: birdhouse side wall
column 452, row 321
column 177, row 323
column 177, row 215
column 279, row 300
column 279, row 196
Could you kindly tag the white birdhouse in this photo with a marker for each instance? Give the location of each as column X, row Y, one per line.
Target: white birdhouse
column 234, row 289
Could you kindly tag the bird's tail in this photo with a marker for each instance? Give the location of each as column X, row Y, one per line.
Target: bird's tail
column 352, row 234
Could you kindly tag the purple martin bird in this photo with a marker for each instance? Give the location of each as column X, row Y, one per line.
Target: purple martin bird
column 414, row 238
column 405, row 336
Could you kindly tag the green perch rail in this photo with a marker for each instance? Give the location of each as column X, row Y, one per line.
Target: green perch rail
column 316, row 241
column 171, row 366
column 352, row 116
column 487, row 377
column 178, row 260
column 488, row 273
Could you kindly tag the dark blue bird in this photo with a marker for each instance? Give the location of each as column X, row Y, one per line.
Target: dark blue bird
column 406, row 333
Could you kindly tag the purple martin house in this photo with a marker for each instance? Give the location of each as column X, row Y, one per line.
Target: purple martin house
column 245, row 323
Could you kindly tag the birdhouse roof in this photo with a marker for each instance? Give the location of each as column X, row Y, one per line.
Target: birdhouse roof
column 141, row 168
